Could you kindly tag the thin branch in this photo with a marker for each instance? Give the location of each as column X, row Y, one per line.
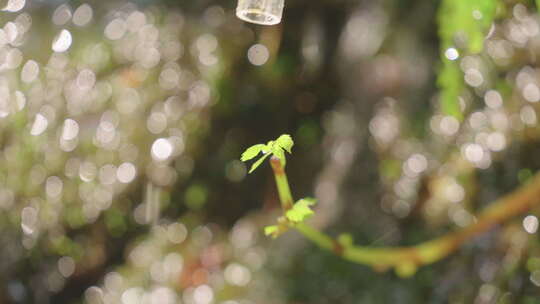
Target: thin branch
column 406, row 260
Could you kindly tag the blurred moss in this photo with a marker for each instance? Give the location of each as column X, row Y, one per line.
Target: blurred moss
column 196, row 196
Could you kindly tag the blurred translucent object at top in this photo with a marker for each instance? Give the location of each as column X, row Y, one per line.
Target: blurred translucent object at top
column 265, row 12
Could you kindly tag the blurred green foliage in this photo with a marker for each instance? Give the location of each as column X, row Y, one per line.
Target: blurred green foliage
column 463, row 24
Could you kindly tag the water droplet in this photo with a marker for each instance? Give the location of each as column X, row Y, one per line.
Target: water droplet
column 530, row 224
column 203, row 294
column 66, row 266
column 86, row 79
column 135, row 21
column 474, row 77
column 528, row 115
column 496, row 141
column 53, row 186
column 29, row 217
column 237, row 274
column 176, row 233
column 161, row 149
column 449, row 125
column 126, row 173
column 70, row 130
column 115, row 29
column 493, row 99
column 451, row 53
column 258, row 54
column 30, row 71
column 23, row 22
column 62, row 42
column 14, row 5
column 12, row 32
column 531, row 92
column 40, row 125
column 473, row 152
column 62, row 14
column 535, row 277
column 83, row 15
column 14, row 58
column 20, row 100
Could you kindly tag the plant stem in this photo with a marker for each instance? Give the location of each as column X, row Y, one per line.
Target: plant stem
column 314, row 235
column 282, row 183
column 405, row 260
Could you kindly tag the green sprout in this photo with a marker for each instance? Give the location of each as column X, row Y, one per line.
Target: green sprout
column 301, row 210
column 295, row 213
column 274, row 147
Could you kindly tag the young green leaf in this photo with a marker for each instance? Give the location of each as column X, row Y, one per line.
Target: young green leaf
column 269, row 146
column 276, row 148
column 252, row 151
column 285, row 142
column 270, row 230
column 258, row 163
column 301, row 210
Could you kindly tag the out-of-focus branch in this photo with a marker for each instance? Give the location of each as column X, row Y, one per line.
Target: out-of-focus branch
column 406, row 260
